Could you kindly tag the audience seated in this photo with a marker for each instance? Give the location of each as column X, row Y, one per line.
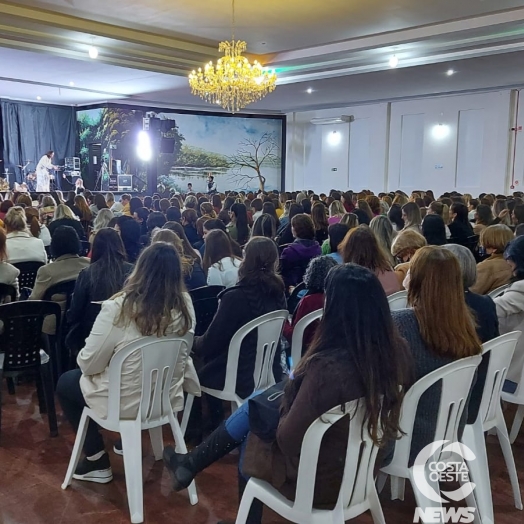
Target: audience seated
column 8, row 273
column 36, row 228
column 434, row 230
column 285, row 233
column 264, row 226
column 70, row 203
column 411, row 217
column 189, row 220
column 460, row 227
column 129, row 231
column 336, row 212
column 383, row 229
column 403, row 249
column 21, row 245
column 101, row 221
column 337, row 233
column 238, row 227
column 64, row 217
column 220, row 264
column 189, row 251
column 152, row 303
column 320, row 222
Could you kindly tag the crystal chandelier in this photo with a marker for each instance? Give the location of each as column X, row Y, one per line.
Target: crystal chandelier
column 234, row 83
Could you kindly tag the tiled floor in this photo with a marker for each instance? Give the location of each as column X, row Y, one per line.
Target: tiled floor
column 32, row 468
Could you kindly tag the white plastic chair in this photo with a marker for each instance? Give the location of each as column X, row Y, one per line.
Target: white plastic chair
column 298, row 335
column 357, row 493
column 398, row 300
column 516, row 398
column 159, row 359
column 498, row 291
column 456, row 379
column 490, row 416
column 269, row 328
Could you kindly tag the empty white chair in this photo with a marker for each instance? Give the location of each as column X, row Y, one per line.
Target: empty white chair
column 398, row 300
column 298, row 335
column 357, row 494
column 456, row 379
column 490, row 416
column 499, row 291
column 516, row 398
column 159, row 359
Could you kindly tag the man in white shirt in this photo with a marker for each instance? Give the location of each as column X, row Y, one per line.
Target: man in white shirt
column 42, row 172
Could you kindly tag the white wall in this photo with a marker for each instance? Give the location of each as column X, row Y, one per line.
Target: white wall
column 445, row 143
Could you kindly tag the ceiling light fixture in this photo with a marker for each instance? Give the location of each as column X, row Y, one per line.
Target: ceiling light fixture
column 39, row 98
column 450, row 72
column 72, row 84
column 93, row 52
column 309, row 90
column 234, row 83
column 393, row 61
column 342, row 119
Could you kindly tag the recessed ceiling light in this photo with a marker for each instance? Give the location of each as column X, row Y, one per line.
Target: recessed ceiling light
column 93, row 52
column 39, row 98
column 393, row 61
column 450, row 72
column 72, row 84
column 309, row 90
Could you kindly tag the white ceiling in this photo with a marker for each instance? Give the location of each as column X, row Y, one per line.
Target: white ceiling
column 339, row 48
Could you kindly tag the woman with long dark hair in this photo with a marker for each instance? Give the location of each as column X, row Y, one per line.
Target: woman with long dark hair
column 238, row 228
column 412, row 217
column 269, row 209
column 220, row 264
column 189, row 251
column 395, row 216
column 357, row 353
column 103, row 278
column 285, row 232
column 130, row 234
column 320, row 222
column 460, row 227
column 434, row 230
column 264, row 226
column 152, row 303
column 189, row 222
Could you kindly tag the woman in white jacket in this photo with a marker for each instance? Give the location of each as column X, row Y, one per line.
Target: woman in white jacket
column 510, row 309
column 153, row 303
column 219, row 262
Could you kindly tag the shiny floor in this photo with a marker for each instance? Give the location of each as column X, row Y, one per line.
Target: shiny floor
column 32, row 468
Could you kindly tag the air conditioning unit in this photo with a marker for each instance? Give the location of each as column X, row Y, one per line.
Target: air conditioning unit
column 342, row 119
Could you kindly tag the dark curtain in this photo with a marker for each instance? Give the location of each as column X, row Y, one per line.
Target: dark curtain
column 30, row 130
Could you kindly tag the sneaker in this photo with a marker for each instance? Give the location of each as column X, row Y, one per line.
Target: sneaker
column 98, row 471
column 117, row 448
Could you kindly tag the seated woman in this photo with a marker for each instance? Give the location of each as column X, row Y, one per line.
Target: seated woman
column 264, row 226
column 189, row 251
column 238, row 227
column 336, row 212
column 65, row 217
column 351, row 331
column 337, row 233
column 320, row 221
column 101, row 221
column 189, row 220
column 438, row 331
column 494, row 271
column 36, row 227
column 383, row 229
column 104, row 277
column 8, row 273
column 284, row 232
column 295, row 258
column 194, row 276
column 260, row 290
column 152, row 303
column 510, row 309
column 220, row 264
column 403, row 249
column 434, row 230
column 67, row 264
column 21, row 245
column 483, row 218
column 314, row 279
column 460, row 227
column 361, row 247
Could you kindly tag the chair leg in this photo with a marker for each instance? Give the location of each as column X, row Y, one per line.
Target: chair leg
column 374, row 504
column 47, row 383
column 1, row 378
column 398, row 486
column 130, row 432
column 42, row 406
column 10, row 385
column 424, row 502
column 180, row 447
column 187, row 413
column 245, row 504
column 381, row 481
column 77, row 449
column 157, row 443
column 517, row 424
column 481, row 498
column 502, row 433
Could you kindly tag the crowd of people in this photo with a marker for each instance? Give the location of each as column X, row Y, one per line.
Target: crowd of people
column 345, row 252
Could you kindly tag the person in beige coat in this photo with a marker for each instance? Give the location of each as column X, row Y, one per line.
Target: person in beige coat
column 494, row 271
column 67, row 265
column 404, row 246
column 153, row 303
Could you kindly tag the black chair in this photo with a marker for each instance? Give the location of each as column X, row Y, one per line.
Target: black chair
column 205, row 302
column 56, row 294
column 7, row 292
column 28, row 271
column 20, row 350
column 293, row 300
column 86, row 247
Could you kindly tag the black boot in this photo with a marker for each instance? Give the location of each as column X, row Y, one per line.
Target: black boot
column 184, row 468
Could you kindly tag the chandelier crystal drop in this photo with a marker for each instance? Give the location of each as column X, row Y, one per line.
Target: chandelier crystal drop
column 234, row 82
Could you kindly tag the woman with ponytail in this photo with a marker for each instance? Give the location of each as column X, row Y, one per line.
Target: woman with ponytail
column 37, row 229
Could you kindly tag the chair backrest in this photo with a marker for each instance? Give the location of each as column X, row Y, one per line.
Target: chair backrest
column 21, row 339
column 398, row 301
column 498, row 292
column 66, row 287
column 361, row 455
column 298, row 335
column 293, row 300
column 456, row 379
column 7, row 291
column 269, row 328
column 159, row 359
column 501, row 351
column 205, row 302
column 28, row 271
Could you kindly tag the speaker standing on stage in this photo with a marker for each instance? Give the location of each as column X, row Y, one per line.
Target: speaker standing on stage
column 42, row 172
column 211, row 185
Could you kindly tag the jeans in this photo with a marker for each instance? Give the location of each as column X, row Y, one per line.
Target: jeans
column 73, row 403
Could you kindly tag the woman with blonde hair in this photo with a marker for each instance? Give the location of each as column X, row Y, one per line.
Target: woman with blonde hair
column 412, row 218
column 8, row 272
column 65, row 217
column 501, row 212
column 21, row 245
column 403, row 248
column 383, row 230
column 494, row 271
column 47, row 209
column 400, row 199
column 336, row 212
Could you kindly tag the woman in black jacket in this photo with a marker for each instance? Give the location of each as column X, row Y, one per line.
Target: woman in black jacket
column 460, row 228
column 101, row 280
column 64, row 217
column 284, row 233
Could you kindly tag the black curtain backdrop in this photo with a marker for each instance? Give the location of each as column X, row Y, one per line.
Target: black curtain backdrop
column 30, row 130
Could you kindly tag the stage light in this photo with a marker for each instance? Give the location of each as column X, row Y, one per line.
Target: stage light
column 93, row 52
column 39, row 98
column 72, row 84
column 143, row 149
column 393, row 61
column 309, row 90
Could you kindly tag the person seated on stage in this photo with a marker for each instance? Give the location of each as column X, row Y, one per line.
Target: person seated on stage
column 36, row 228
column 8, row 272
column 47, row 209
column 64, row 217
column 99, row 203
column 70, row 203
column 22, row 246
column 67, row 264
